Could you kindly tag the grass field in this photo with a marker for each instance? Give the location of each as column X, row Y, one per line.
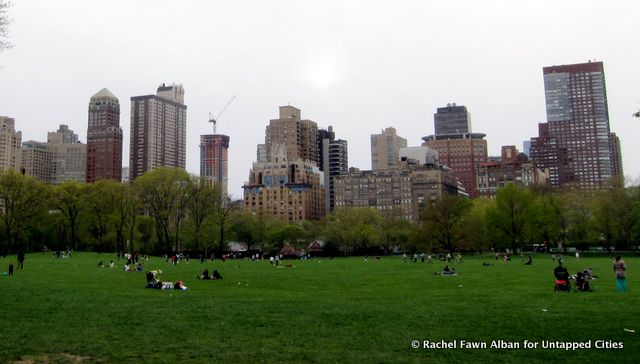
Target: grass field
column 340, row 310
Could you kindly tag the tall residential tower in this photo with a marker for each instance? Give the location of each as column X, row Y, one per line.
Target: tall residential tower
column 158, row 131
column 577, row 144
column 385, row 149
column 458, row 148
column 104, row 138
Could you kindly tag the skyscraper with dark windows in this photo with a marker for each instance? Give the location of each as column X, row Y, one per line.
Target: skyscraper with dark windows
column 457, row 147
column 452, row 119
column 577, row 144
column 334, row 161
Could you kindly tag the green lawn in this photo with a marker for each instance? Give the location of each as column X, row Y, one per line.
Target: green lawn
column 323, row 310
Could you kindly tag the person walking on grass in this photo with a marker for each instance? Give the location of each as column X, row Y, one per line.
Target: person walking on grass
column 620, row 270
column 21, row 259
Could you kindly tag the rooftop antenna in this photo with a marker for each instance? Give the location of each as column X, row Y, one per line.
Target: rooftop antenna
column 215, row 120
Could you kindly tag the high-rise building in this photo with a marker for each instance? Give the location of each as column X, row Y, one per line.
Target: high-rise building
column 548, row 155
column 512, row 167
column 457, row 147
column 61, row 158
column 36, row 160
column 68, row 156
column 464, row 153
column 452, row 119
column 104, row 138
column 261, row 153
column 578, row 127
column 299, row 137
column 401, row 192
column 334, row 160
column 291, row 190
column 526, row 147
column 385, row 149
column 214, row 157
column 616, row 156
column 10, row 141
column 158, row 130
column 286, row 182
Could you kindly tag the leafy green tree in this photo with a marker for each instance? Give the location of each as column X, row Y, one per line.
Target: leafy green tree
column 442, row 221
column 473, row 225
column 353, row 228
column 69, row 199
column 613, row 215
column 205, row 201
column 550, row 221
column 580, row 219
column 22, row 199
column 164, row 193
column 223, row 219
column 396, row 232
column 127, row 206
column 145, row 228
column 101, row 200
column 511, row 214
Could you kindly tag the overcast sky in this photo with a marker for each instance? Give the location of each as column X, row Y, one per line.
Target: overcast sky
column 357, row 65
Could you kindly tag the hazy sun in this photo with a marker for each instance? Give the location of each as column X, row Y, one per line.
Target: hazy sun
column 322, row 73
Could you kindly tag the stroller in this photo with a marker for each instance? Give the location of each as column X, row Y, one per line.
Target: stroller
column 562, row 279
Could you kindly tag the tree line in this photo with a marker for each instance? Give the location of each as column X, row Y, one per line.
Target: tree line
column 167, row 210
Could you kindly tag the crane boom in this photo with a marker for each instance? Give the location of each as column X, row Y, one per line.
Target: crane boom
column 215, row 120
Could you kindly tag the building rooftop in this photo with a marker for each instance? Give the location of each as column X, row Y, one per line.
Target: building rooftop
column 104, row 93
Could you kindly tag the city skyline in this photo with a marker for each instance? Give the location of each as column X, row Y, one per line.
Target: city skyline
column 360, row 74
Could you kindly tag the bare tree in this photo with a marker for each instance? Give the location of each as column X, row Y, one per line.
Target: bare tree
column 5, row 20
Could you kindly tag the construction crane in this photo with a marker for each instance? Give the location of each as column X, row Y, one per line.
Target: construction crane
column 215, row 120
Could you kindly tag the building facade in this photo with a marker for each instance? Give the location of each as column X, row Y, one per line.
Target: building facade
column 261, row 153
column 284, row 189
column 464, row 153
column 385, row 149
column 62, row 158
column 10, row 145
column 158, row 130
column 578, row 127
column 334, row 161
column 452, row 119
column 104, row 138
column 299, row 137
column 68, row 156
column 36, row 160
column 616, row 156
column 512, row 167
column 402, row 192
column 214, row 160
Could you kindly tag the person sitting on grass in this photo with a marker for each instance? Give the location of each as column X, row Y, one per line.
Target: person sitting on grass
column 101, row 264
column 151, row 280
column 216, row 274
column 205, row 275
